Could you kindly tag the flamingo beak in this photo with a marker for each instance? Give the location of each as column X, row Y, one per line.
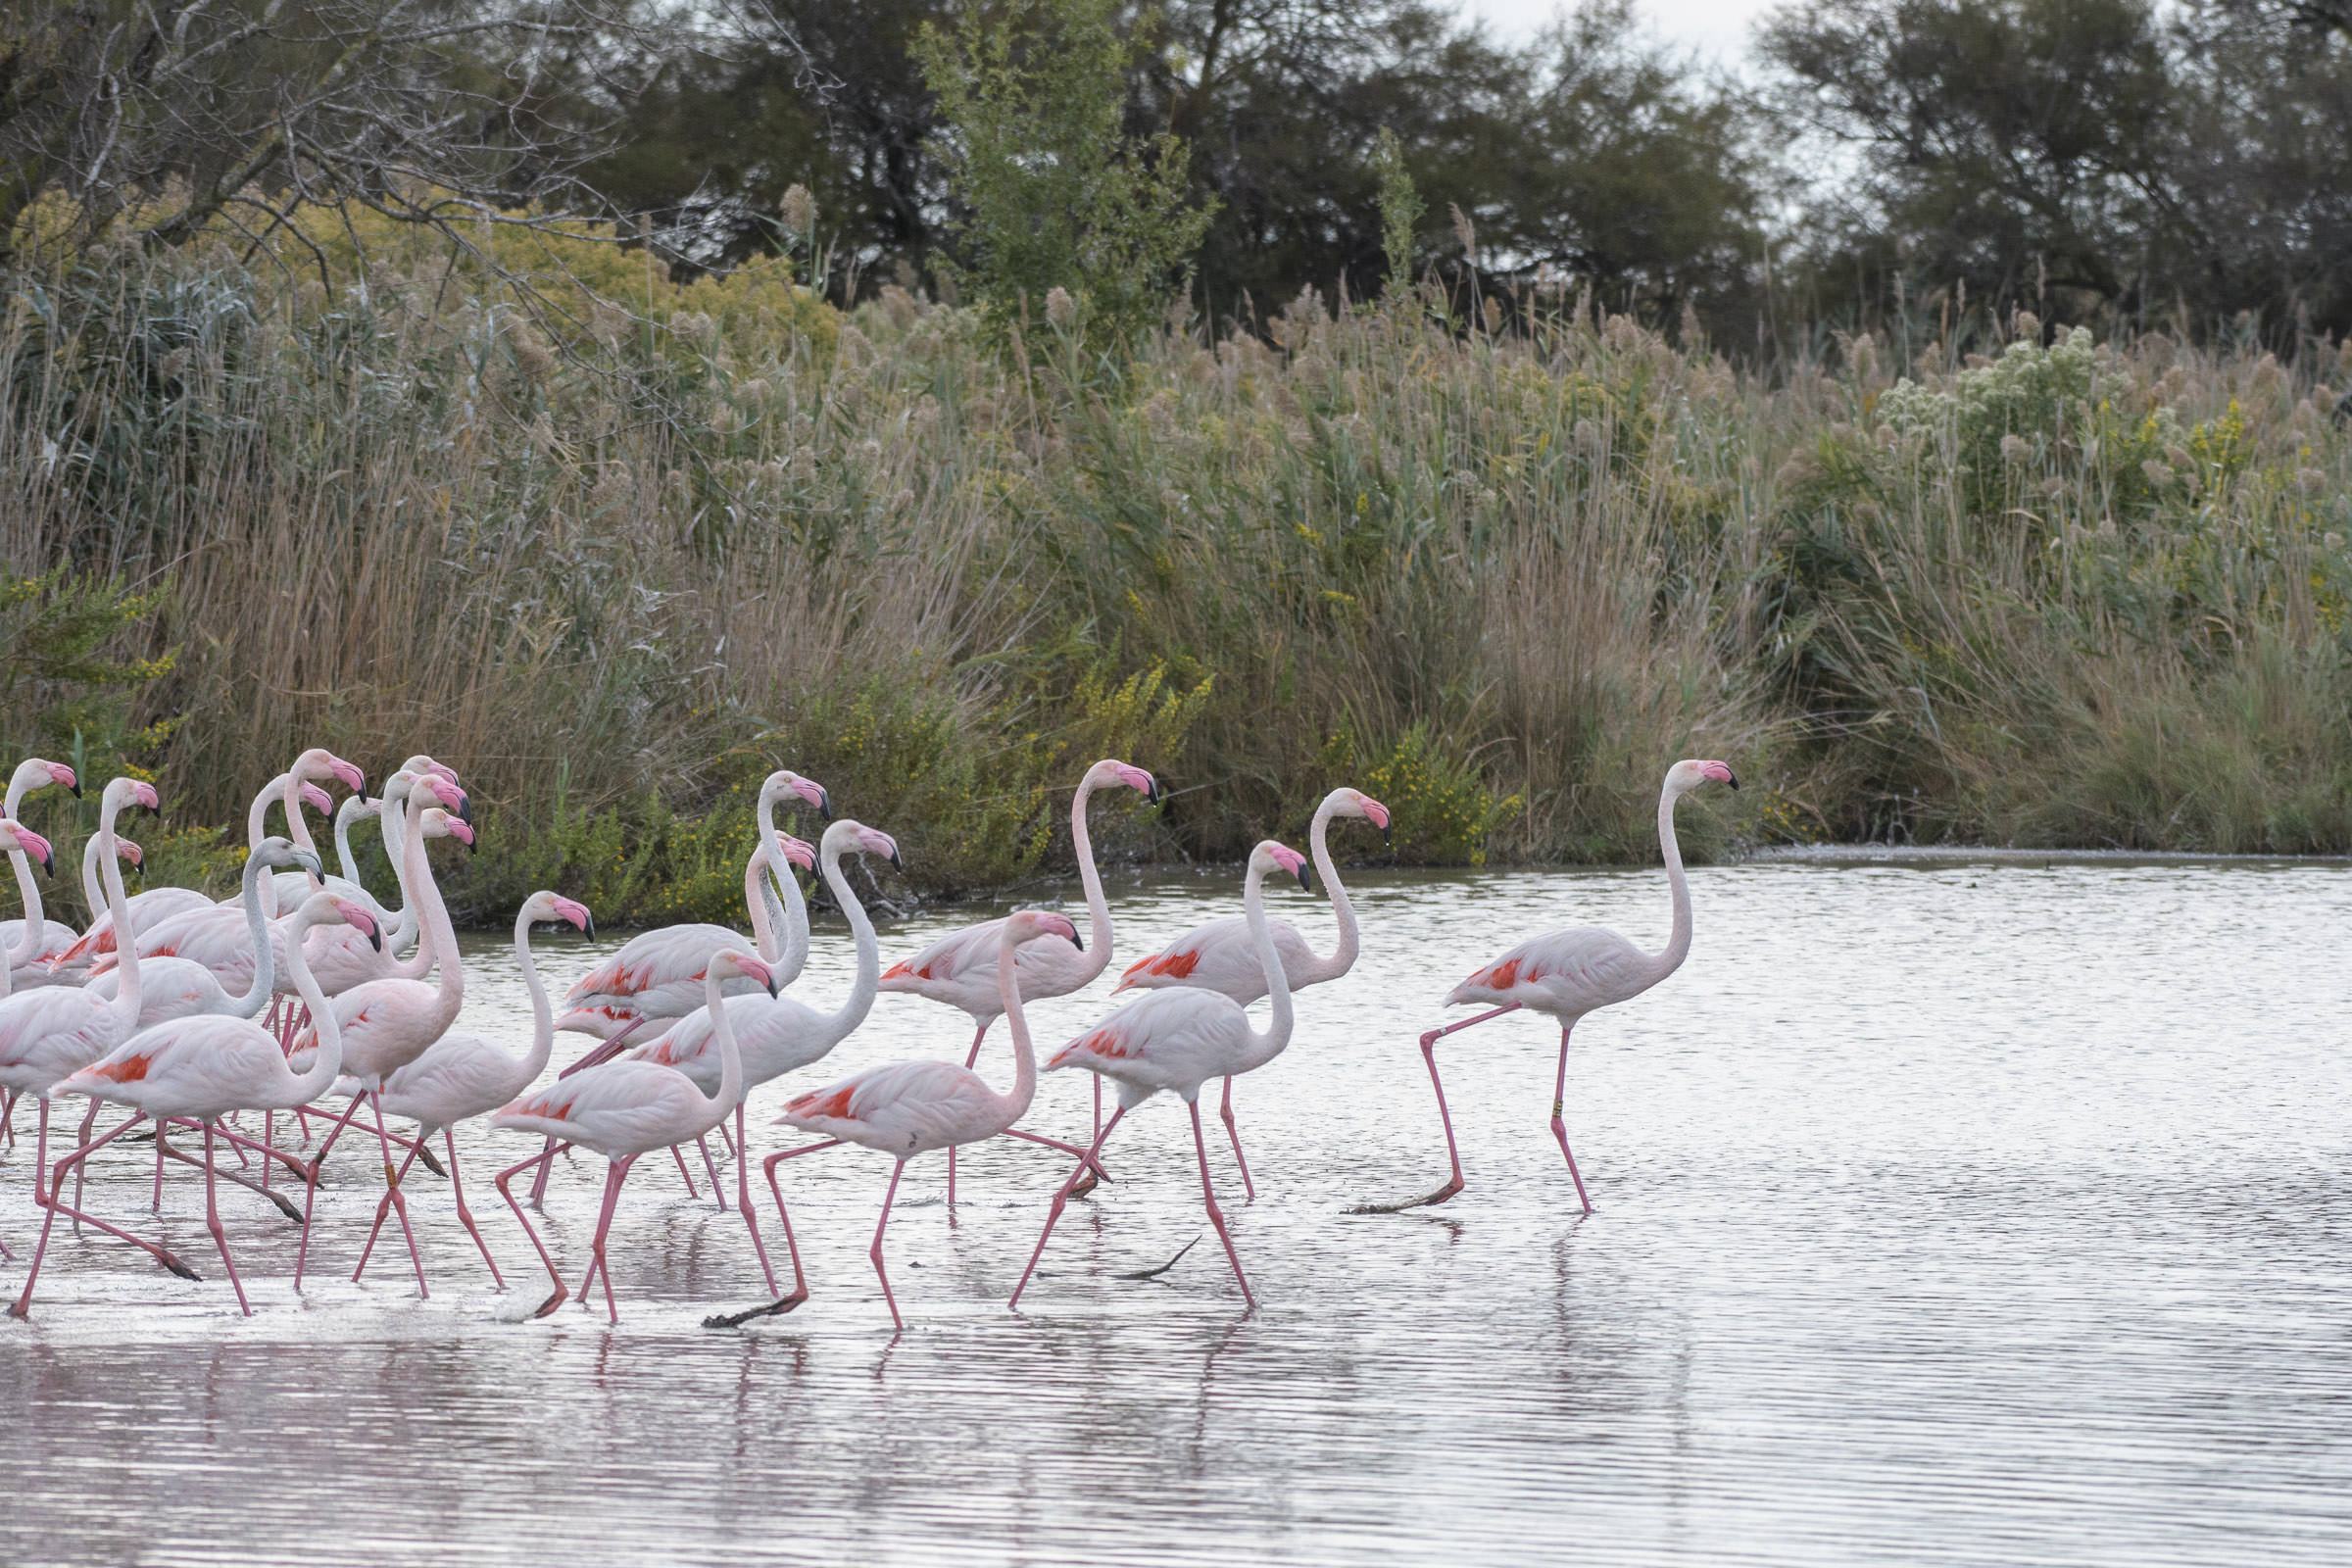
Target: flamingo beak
column 309, row 863
column 1730, row 778
column 824, row 804
column 1077, row 941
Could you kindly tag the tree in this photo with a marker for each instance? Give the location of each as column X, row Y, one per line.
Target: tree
column 1055, row 194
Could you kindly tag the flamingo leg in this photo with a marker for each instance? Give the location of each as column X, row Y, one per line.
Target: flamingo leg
column 8, row 1116
column 875, row 1251
column 311, row 1198
column 727, row 1139
column 211, row 1223
column 1217, row 1215
column 1062, row 1200
column 684, row 1175
column 1559, row 1129
column 1086, row 1178
column 970, row 1056
column 456, row 1189
column 383, row 1206
column 743, row 1195
column 1248, row 1187
column 799, row 1281
column 90, row 1120
column 1453, row 1153
column 285, row 1207
column 1086, row 1162
column 400, row 1203
column 603, row 1051
column 155, row 1205
column 537, row 1245
column 615, row 1173
column 21, row 1307
column 710, row 1167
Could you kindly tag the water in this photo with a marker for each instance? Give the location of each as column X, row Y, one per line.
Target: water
column 1947, row 1210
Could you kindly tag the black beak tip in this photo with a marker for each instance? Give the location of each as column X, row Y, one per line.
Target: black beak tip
column 1733, row 780
column 49, row 866
column 77, row 790
column 465, row 808
column 589, row 928
column 1304, row 880
column 897, row 864
column 375, row 937
column 824, row 804
column 1077, row 941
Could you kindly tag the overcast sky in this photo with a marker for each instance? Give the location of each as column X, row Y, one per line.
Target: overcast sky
column 1717, row 29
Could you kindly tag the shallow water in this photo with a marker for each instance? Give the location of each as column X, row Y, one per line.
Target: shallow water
column 1946, row 1211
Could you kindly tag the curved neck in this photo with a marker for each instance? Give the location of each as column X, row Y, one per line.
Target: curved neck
column 1678, row 944
column 1098, row 908
column 257, row 829
column 343, row 855
column 787, row 916
column 326, row 1063
column 93, row 897
column 126, row 994
column 432, row 915
column 296, row 828
column 1015, row 1106
column 1318, row 844
column 1267, row 1046
column 869, row 951
column 543, row 1017
column 730, row 1058
column 761, row 902
column 265, row 949
column 22, row 866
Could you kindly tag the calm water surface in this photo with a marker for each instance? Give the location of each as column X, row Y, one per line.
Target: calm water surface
column 1950, row 1210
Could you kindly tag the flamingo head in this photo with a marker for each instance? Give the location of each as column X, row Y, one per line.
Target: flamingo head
column 278, row 855
column 847, row 834
column 1691, row 772
column 798, row 851
column 129, row 852
column 18, row 837
column 808, row 789
column 421, row 764
column 545, row 908
column 1111, row 770
column 1027, row 926
column 1365, row 807
column 359, row 808
column 317, row 799
column 129, row 794
column 321, row 763
column 737, row 961
column 439, row 824
column 437, row 788
column 356, row 916
column 1270, row 856
column 60, row 773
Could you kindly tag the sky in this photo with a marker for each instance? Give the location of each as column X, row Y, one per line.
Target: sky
column 1717, row 29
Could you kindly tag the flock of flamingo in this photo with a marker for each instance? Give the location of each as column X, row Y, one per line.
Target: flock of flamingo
column 240, row 1022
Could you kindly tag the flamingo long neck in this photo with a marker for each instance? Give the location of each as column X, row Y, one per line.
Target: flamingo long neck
column 126, row 995
column 1097, row 908
column 35, row 925
column 265, row 951
column 296, row 828
column 326, row 1062
column 869, row 951
column 1678, row 944
column 1015, row 1106
column 761, row 899
column 343, row 855
column 257, row 829
column 93, row 897
column 432, row 917
column 1318, row 844
column 543, row 1017
column 787, row 916
column 730, row 1057
column 1267, row 1046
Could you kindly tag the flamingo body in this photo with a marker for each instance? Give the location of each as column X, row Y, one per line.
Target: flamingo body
column 199, row 1068
column 903, row 1108
column 1563, row 975
column 1172, row 1040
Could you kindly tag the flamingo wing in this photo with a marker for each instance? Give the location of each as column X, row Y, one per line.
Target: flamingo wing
column 459, row 1076
column 192, row 1066
column 946, row 960
column 904, row 1108
column 1162, row 1040
column 621, row 1108
column 1568, row 973
column 1219, row 956
column 51, row 1031
column 651, row 959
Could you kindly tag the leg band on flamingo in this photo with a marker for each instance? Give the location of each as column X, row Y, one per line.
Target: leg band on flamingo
column 1453, row 1153
column 1062, row 1200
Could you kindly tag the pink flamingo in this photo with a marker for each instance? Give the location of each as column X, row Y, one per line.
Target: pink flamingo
column 777, row 1035
column 30, row 944
column 202, row 1069
column 1179, row 1040
column 622, row 1110
column 1218, row 956
column 1567, row 974
column 463, row 1076
column 386, row 1024
column 93, row 898
column 18, row 839
column 911, row 1107
column 961, row 968
column 658, row 975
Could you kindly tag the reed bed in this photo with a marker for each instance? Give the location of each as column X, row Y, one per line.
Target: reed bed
column 613, row 546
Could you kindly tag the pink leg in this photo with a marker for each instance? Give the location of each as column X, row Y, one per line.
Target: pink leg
column 8, row 1116
column 1086, row 1162
column 800, row 1280
column 743, row 1197
column 684, row 1175
column 1061, row 1199
column 384, row 1207
column 508, row 1192
column 617, row 1172
column 285, row 1207
column 456, row 1189
column 400, row 1204
column 155, row 1205
column 23, row 1307
column 727, row 1138
column 603, row 1051
column 1429, row 1053
column 710, row 1167
column 311, row 1197
column 969, row 1057
column 875, row 1251
column 1248, row 1187
column 90, row 1120
column 211, row 1223
column 1086, row 1177
column 1559, row 1129
column 1217, row 1215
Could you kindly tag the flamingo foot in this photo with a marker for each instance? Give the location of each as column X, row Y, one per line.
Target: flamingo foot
column 1084, row 1185
column 551, row 1302
column 1423, row 1202
column 424, row 1158
column 775, row 1308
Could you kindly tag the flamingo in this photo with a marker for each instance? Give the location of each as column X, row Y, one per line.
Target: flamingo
column 50, row 1031
column 907, row 1108
column 1567, row 974
column 1179, row 1040
column 93, row 896
column 1217, row 956
column 92, row 954
column 30, row 944
column 658, row 975
column 961, row 968
column 463, row 1076
column 385, row 1024
column 624, row 1110
column 400, row 927
column 17, row 839
column 201, row 1069
column 776, row 1035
